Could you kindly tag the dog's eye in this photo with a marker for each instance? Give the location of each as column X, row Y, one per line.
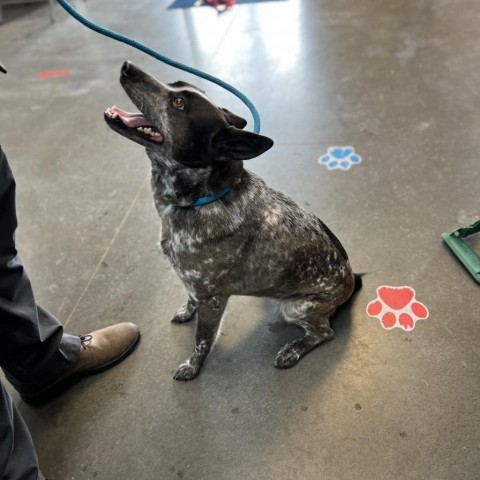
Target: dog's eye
column 179, row 103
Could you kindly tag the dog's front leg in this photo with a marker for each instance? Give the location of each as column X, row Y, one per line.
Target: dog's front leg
column 209, row 316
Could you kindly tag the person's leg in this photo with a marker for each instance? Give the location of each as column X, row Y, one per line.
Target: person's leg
column 18, row 460
column 39, row 359
column 34, row 350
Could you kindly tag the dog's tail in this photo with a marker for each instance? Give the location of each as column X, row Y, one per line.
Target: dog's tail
column 358, row 281
column 357, row 285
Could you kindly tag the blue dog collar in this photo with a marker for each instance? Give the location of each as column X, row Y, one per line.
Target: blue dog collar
column 200, row 202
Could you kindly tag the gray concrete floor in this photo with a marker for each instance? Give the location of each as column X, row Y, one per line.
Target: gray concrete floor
column 398, row 80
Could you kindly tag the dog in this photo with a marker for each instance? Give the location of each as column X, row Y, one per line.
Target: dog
column 224, row 230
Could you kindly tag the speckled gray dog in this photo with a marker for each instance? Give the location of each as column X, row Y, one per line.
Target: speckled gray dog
column 252, row 240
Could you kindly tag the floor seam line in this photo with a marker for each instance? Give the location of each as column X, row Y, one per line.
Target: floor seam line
column 108, row 249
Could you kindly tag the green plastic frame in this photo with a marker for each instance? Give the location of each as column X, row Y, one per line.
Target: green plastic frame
column 462, row 250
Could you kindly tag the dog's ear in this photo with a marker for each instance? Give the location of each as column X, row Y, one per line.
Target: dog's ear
column 233, row 119
column 234, row 144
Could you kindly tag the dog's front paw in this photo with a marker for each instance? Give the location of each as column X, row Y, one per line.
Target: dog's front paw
column 187, row 371
column 288, row 356
column 183, row 315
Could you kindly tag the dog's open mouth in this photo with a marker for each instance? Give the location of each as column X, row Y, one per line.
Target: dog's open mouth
column 135, row 122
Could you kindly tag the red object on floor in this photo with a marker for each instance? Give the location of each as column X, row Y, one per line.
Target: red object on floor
column 397, row 307
column 55, row 73
column 220, row 5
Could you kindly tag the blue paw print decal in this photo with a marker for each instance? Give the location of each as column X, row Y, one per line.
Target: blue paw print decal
column 339, row 158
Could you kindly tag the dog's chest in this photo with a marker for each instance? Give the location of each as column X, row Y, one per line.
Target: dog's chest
column 179, row 244
column 201, row 262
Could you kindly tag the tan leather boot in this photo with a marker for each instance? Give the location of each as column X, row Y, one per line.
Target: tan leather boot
column 105, row 348
column 99, row 351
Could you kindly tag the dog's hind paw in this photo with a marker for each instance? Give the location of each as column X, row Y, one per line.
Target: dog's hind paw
column 288, row 356
column 186, row 371
column 183, row 315
column 292, row 352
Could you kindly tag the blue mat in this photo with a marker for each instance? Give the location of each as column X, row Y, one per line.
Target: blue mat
column 191, row 3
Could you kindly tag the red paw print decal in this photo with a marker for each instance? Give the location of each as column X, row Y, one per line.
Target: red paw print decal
column 397, row 307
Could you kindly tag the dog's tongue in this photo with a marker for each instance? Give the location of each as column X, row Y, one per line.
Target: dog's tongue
column 132, row 120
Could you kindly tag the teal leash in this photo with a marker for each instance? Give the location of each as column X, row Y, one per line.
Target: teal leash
column 149, row 51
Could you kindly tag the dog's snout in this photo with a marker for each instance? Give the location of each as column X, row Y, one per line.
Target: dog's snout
column 127, row 69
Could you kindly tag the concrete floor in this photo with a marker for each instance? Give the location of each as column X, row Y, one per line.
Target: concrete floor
column 400, row 81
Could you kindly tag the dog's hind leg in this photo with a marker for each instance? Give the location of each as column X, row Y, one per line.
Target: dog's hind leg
column 187, row 312
column 209, row 316
column 313, row 316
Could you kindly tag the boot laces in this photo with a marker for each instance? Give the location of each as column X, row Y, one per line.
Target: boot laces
column 85, row 340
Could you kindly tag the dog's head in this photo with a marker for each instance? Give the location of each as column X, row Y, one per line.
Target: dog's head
column 179, row 122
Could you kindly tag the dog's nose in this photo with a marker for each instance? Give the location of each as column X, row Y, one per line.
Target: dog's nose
column 127, row 69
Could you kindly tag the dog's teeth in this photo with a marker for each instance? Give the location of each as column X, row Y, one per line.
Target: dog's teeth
column 148, row 131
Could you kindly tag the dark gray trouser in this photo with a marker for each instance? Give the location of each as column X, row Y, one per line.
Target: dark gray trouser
column 18, row 460
column 34, row 351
